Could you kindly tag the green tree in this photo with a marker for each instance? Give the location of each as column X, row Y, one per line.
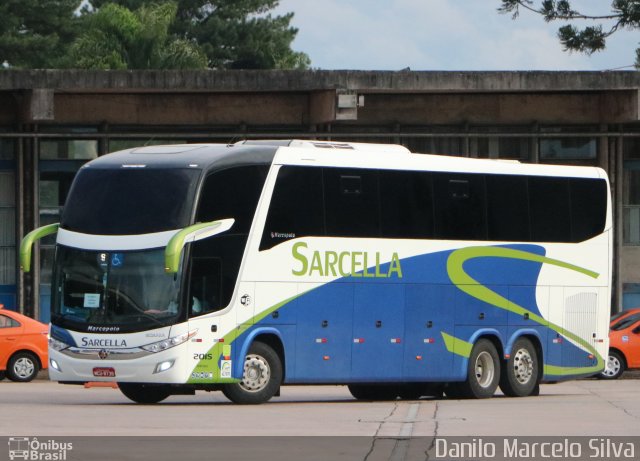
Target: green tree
column 115, row 37
column 624, row 14
column 235, row 34
column 36, row 33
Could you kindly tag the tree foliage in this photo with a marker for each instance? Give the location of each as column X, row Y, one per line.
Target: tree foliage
column 115, row 37
column 36, row 33
column 234, row 34
column 589, row 39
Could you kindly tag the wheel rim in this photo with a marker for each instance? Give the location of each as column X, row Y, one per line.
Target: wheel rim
column 523, row 366
column 613, row 366
column 256, row 374
column 485, row 369
column 24, row 368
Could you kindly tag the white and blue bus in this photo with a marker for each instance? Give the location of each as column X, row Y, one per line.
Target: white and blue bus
column 244, row 267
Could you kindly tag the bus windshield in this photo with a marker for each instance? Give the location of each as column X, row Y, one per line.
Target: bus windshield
column 114, row 291
column 135, row 201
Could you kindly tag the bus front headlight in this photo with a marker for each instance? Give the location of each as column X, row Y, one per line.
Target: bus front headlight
column 56, row 344
column 168, row 343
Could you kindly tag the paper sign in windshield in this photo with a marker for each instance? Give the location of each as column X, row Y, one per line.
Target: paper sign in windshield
column 92, row 300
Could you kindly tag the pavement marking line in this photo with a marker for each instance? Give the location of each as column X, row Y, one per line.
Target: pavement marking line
column 407, row 428
column 401, row 448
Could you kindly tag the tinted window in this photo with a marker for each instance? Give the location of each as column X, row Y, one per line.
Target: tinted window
column 459, row 206
column 130, row 201
column 214, row 271
column 205, row 287
column 626, row 322
column 588, row 208
column 8, row 322
column 507, row 208
column 232, row 193
column 448, row 206
column 406, row 204
column 296, row 208
column 549, row 209
column 351, row 200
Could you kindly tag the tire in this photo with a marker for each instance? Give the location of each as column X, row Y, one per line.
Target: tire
column 261, row 377
column 145, row 393
column 2, row 375
column 374, row 392
column 483, row 373
column 614, row 367
column 23, row 367
column 411, row 391
column 454, row 391
column 520, row 373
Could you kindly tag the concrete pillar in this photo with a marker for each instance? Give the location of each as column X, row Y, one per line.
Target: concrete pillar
column 618, row 198
column 27, row 214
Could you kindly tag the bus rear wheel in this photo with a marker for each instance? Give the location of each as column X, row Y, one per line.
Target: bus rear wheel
column 483, row 373
column 519, row 376
column 145, row 393
column 261, row 377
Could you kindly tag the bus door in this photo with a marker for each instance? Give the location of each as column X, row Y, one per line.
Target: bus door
column 204, row 297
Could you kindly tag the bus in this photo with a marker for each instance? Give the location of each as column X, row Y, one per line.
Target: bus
column 245, row 267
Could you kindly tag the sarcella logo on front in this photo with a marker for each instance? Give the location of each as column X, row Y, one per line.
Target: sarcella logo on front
column 32, row 449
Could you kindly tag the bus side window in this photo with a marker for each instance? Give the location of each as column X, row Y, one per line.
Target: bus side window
column 406, row 204
column 232, row 193
column 459, row 206
column 588, row 207
column 296, row 208
column 549, row 209
column 352, row 202
column 205, row 286
column 508, row 208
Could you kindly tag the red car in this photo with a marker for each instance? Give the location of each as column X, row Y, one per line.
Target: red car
column 624, row 344
column 23, row 346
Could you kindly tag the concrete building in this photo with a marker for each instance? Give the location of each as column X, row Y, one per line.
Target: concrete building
column 51, row 122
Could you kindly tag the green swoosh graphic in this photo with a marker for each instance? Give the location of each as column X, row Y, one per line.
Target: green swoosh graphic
column 475, row 289
column 456, row 345
column 216, row 351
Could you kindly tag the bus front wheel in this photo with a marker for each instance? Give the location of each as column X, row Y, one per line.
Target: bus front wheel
column 520, row 371
column 261, row 377
column 145, row 393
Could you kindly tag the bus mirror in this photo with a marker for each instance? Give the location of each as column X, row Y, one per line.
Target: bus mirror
column 191, row 234
column 27, row 243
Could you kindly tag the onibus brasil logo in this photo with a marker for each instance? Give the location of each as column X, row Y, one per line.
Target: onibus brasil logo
column 30, row 448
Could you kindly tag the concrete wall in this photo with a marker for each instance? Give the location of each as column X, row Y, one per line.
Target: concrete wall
column 207, row 102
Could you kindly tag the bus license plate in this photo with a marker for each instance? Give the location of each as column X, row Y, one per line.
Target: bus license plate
column 104, row 372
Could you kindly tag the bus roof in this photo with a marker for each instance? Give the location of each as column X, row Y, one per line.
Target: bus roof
column 377, row 156
column 202, row 156
column 322, row 153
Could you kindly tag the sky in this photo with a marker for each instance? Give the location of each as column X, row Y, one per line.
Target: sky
column 443, row 35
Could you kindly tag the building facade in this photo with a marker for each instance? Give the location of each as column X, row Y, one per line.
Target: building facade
column 52, row 122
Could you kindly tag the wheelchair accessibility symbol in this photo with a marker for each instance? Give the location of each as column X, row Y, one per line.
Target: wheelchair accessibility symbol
column 117, row 259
